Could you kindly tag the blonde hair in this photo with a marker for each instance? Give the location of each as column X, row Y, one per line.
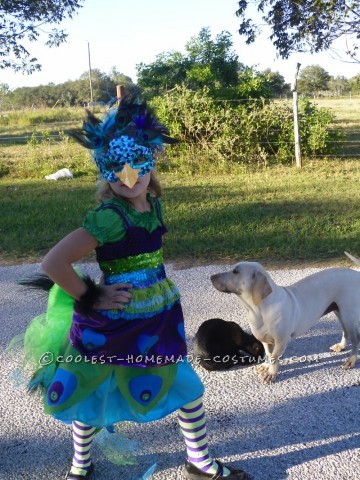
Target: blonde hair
column 105, row 191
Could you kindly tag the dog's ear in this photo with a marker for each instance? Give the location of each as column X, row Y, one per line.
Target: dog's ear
column 261, row 288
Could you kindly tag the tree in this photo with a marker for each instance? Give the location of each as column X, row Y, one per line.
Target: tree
column 207, row 62
column 313, row 79
column 168, row 70
column 355, row 84
column 122, row 79
column 339, row 85
column 104, row 88
column 4, row 90
column 70, row 93
column 213, row 60
column 252, row 84
column 304, row 25
column 22, row 21
column 276, row 83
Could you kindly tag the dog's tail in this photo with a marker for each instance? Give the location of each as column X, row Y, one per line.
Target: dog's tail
column 39, row 281
column 354, row 259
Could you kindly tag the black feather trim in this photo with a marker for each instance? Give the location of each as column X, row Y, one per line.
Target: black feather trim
column 39, row 281
column 91, row 119
column 136, row 120
column 170, row 140
column 86, row 302
column 87, row 140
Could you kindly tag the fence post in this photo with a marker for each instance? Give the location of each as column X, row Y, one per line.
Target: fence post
column 120, row 92
column 296, row 119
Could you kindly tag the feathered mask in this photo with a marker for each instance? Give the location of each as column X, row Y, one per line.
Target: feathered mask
column 124, row 144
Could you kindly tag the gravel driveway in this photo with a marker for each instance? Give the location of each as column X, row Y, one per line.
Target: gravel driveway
column 305, row 426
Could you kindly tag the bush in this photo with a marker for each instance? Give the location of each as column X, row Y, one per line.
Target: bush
column 317, row 136
column 215, row 134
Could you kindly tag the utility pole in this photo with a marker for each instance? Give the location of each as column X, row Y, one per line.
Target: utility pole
column 91, row 90
column 296, row 118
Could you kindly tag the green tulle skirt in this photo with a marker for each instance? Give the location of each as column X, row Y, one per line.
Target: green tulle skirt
column 99, row 394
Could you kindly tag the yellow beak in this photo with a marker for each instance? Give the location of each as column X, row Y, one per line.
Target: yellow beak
column 128, row 175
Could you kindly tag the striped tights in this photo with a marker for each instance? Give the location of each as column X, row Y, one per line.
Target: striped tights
column 83, row 436
column 193, row 427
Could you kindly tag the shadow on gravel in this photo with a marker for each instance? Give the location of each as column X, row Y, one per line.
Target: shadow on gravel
column 292, row 432
column 268, row 442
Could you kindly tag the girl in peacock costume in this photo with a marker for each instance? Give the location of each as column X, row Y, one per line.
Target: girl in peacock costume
column 116, row 351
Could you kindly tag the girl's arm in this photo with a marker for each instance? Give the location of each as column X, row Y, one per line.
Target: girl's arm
column 57, row 264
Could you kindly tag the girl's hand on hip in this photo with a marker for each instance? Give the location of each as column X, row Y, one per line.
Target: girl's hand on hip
column 114, row 296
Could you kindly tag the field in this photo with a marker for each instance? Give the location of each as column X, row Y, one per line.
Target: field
column 347, row 118
column 278, row 215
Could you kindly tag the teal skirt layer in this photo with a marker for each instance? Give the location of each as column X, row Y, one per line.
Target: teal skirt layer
column 127, row 393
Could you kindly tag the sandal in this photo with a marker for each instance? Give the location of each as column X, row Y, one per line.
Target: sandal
column 194, row 473
column 74, row 476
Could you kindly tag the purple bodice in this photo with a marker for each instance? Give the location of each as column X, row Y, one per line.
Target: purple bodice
column 149, row 331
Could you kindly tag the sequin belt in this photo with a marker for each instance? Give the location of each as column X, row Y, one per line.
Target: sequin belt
column 139, row 278
column 133, row 263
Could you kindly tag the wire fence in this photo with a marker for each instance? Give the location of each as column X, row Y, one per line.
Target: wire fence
column 54, row 130
column 342, row 153
column 15, row 138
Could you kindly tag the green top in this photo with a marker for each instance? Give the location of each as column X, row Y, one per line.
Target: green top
column 107, row 226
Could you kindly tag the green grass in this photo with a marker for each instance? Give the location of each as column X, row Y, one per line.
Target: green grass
column 275, row 215
column 37, row 213
column 40, row 116
column 347, row 117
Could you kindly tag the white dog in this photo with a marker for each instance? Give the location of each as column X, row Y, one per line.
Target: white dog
column 277, row 314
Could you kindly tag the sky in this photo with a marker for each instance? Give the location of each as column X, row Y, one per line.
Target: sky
column 123, row 34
